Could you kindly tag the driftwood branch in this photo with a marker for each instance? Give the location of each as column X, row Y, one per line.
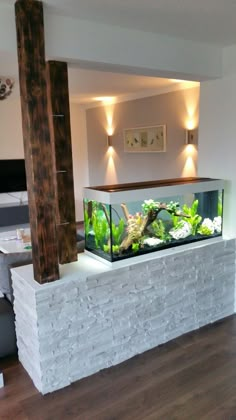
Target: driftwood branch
column 135, row 232
column 125, row 211
column 106, row 214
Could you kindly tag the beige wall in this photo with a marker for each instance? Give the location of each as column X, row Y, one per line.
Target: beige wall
column 11, row 140
column 110, row 166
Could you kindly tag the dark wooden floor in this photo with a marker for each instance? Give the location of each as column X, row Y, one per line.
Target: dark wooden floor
column 193, row 377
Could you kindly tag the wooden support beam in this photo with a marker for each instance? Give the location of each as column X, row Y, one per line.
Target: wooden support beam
column 59, row 118
column 37, row 146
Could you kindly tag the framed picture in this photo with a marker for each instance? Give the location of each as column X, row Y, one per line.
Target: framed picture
column 145, row 139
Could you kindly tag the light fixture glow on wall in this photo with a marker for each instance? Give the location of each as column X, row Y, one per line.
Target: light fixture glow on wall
column 6, row 86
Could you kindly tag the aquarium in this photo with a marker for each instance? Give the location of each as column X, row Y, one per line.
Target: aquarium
column 126, row 220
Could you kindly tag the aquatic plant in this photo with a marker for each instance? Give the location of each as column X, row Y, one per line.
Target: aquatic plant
column 135, row 246
column 181, row 230
column 135, row 225
column 158, row 229
column 107, row 248
column 115, row 249
column 193, row 219
column 117, row 232
column 173, row 207
column 100, row 228
column 206, row 228
column 151, row 205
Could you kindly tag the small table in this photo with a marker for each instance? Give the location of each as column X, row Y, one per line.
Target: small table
column 12, row 251
column 10, row 244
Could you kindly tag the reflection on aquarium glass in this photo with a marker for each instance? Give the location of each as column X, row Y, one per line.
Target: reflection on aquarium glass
column 126, row 229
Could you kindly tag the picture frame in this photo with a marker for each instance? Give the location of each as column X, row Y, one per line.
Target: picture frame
column 145, row 139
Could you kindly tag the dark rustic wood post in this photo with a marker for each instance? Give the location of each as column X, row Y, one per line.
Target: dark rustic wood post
column 37, row 146
column 59, row 119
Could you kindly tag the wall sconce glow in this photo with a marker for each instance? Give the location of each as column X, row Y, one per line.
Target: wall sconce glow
column 107, row 100
column 191, row 136
column 190, row 124
column 110, row 130
column 190, row 118
column 111, row 175
column 189, row 167
column 190, row 150
column 109, row 109
column 190, row 156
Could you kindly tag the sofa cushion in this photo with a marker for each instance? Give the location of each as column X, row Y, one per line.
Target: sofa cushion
column 7, row 329
column 6, row 260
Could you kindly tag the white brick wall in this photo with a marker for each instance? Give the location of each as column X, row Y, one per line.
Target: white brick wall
column 81, row 324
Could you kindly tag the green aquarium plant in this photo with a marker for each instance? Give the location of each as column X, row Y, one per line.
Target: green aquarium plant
column 135, row 246
column 100, row 228
column 115, row 248
column 117, row 232
column 207, row 227
column 150, row 205
column 171, row 207
column 194, row 219
column 158, row 229
column 106, row 248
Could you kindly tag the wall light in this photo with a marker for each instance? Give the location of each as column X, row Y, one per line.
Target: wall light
column 191, row 136
column 109, row 140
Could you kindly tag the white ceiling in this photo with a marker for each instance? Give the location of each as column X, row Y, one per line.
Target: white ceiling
column 90, row 86
column 207, row 21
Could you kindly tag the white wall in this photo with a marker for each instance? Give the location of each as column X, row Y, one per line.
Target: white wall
column 80, row 155
column 85, row 42
column 217, row 135
column 88, row 43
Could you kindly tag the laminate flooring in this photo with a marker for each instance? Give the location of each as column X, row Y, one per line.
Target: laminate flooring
column 191, row 377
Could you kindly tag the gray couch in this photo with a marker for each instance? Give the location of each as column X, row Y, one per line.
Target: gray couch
column 7, row 318
column 6, row 262
column 7, row 329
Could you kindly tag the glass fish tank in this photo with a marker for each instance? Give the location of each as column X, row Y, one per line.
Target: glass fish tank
column 127, row 220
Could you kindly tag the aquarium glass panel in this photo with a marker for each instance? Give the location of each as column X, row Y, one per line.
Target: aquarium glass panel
column 118, row 231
